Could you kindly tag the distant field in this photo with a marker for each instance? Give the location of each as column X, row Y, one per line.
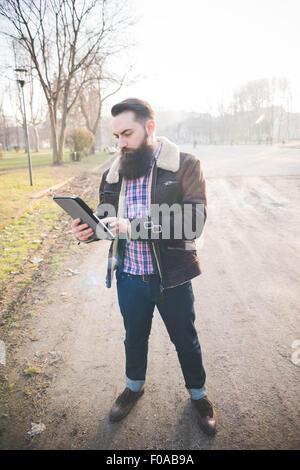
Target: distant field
column 12, row 160
column 15, row 190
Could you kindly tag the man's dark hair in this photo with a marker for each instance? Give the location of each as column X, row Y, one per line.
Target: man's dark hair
column 141, row 109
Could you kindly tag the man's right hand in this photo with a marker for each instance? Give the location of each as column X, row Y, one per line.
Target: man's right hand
column 81, row 232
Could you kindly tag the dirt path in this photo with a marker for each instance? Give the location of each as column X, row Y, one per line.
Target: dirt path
column 247, row 304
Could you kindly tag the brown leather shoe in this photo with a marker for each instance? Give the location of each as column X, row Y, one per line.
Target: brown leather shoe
column 206, row 414
column 123, row 404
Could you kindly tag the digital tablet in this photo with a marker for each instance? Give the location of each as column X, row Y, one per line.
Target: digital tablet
column 78, row 209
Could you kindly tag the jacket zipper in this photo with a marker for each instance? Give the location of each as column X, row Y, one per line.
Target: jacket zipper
column 153, row 188
column 171, row 287
column 157, row 262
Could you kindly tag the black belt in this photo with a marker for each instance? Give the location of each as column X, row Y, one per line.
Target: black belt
column 145, row 277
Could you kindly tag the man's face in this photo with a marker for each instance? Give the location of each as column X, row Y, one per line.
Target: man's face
column 134, row 143
column 129, row 132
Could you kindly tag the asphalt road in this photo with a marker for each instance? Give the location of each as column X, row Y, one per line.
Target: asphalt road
column 247, row 160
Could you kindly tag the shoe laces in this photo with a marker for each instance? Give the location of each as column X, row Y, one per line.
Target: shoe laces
column 125, row 396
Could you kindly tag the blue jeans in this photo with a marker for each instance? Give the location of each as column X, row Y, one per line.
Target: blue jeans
column 137, row 297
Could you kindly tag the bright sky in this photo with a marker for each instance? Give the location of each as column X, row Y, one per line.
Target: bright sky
column 196, row 52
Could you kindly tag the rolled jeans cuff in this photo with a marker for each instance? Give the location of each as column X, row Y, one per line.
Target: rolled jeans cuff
column 197, row 393
column 134, row 385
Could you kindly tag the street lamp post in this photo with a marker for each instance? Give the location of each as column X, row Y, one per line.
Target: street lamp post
column 21, row 73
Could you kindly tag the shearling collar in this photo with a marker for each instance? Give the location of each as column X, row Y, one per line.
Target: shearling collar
column 168, row 160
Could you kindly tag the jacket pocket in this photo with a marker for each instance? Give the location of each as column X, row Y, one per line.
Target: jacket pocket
column 110, row 197
column 168, row 192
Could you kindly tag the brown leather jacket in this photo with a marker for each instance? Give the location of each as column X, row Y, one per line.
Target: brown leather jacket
column 176, row 178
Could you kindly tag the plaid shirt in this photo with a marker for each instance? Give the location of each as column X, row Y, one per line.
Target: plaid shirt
column 137, row 256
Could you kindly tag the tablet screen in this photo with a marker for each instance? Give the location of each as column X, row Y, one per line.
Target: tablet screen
column 78, row 209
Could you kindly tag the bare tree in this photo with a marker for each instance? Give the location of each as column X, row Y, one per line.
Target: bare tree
column 258, row 107
column 37, row 113
column 37, row 108
column 258, row 111
column 63, row 39
column 101, row 86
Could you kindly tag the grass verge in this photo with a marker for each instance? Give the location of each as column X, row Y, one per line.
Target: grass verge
column 16, row 192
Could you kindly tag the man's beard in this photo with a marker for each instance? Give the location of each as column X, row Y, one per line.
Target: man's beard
column 136, row 162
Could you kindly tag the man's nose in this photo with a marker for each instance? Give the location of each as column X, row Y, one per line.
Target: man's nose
column 122, row 142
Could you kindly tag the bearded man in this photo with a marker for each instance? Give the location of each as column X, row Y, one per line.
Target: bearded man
column 153, row 266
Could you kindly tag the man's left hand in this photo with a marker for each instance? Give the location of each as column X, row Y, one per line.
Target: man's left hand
column 117, row 224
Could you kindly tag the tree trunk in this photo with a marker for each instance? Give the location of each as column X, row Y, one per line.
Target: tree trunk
column 62, row 136
column 100, row 136
column 63, row 125
column 18, row 136
column 36, row 139
column 54, row 136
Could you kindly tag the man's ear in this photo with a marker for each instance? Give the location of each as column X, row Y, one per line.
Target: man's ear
column 150, row 126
